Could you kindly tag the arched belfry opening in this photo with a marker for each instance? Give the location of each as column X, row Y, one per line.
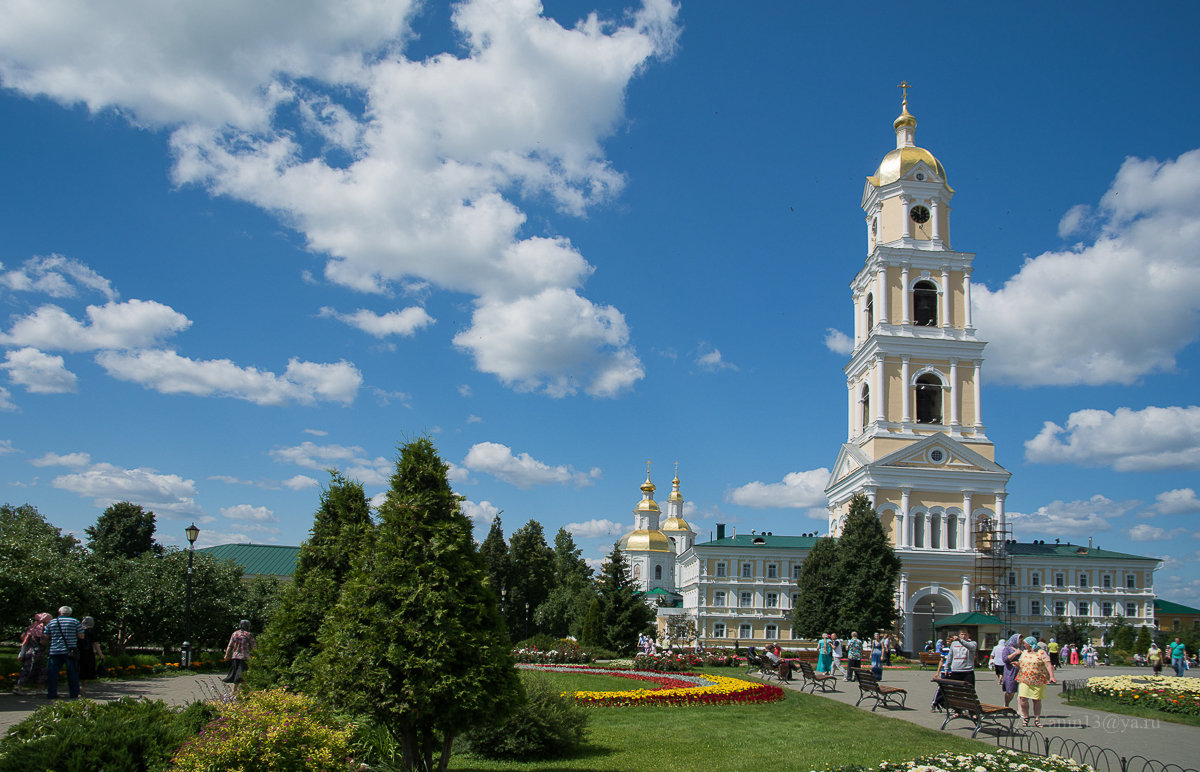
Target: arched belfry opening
column 929, row 399
column 864, row 404
column 925, row 304
column 869, row 307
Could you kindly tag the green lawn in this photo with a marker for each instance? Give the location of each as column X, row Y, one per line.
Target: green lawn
column 800, row 732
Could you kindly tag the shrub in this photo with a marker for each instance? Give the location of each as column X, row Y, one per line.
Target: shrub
column 269, row 731
column 81, row 736
column 547, row 725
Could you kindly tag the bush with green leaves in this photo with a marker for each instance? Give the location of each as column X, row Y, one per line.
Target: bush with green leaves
column 548, row 725
column 83, row 736
column 270, row 731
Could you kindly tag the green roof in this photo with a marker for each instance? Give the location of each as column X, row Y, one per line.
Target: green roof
column 973, row 618
column 763, row 540
column 1069, row 550
column 1167, row 607
column 256, row 559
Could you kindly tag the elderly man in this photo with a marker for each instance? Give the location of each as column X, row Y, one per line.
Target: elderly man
column 64, row 634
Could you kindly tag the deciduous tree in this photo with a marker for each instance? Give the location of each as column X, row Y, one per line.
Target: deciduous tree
column 41, row 568
column 124, row 529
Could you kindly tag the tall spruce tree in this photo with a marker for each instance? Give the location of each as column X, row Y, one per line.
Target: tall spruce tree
column 341, row 529
column 495, row 557
column 531, row 575
column 866, row 573
column 572, row 593
column 816, row 609
column 620, row 614
column 416, row 640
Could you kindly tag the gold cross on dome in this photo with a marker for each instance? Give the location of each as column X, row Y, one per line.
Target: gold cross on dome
column 904, row 86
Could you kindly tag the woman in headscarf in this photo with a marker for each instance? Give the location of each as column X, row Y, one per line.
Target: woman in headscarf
column 241, row 643
column 1155, row 658
column 32, row 654
column 1035, row 671
column 1009, row 654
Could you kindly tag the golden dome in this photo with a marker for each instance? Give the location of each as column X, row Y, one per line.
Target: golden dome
column 676, row 524
column 906, row 119
column 647, row 541
column 899, row 162
column 647, row 505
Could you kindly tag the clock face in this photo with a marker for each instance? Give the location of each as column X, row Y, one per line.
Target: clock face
column 919, row 214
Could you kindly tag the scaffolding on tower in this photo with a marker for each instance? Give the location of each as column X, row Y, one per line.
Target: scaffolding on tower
column 993, row 570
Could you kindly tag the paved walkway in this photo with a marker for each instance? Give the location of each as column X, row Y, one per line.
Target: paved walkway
column 1152, row 739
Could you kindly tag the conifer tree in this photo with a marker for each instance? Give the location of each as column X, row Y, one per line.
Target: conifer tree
column 621, row 614
column 866, row 573
column 816, row 609
column 341, row 530
column 531, row 575
column 416, row 640
column 495, row 556
column 563, row 611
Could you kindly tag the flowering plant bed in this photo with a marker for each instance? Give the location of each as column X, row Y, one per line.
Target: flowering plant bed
column 675, row 689
column 1000, row 761
column 565, row 651
column 1165, row 693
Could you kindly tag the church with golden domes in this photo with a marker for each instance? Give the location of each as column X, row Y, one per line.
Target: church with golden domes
column 916, row 446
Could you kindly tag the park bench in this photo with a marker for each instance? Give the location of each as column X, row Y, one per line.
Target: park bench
column 930, row 659
column 759, row 665
column 868, row 686
column 813, row 679
column 961, row 702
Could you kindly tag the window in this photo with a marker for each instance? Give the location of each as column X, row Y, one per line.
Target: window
column 658, row 572
column 1106, row 609
column 1060, row 608
column 1175, row 624
column 1106, row 581
column 1035, row 608
column 935, row 532
column 746, row 599
column 1012, row 606
column 1085, row 608
column 637, row 570
column 772, row 571
column 795, row 599
column 796, row 571
column 919, row 532
column 929, row 399
column 869, row 306
column 925, row 304
column 719, row 630
column 1060, row 580
column 1131, row 610
column 772, row 632
column 1130, row 582
column 772, row 600
column 1035, row 579
column 719, row 598
column 743, row 631
column 864, row 402
column 747, row 570
column 952, row 531
column 720, row 569
column 1083, row 580
column 1012, row 578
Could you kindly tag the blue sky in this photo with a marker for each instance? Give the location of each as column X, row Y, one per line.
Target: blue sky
column 241, row 245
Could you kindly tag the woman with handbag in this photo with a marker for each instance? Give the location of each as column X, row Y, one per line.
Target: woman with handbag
column 32, row 655
column 1034, row 672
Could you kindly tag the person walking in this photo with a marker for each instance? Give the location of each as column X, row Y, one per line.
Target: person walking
column 1010, row 655
column 241, row 643
column 1178, row 656
column 962, row 657
column 1034, row 672
column 824, row 654
column 877, row 658
column 837, row 655
column 32, row 654
column 997, row 659
column 1155, row 657
column 853, row 656
column 64, row 634
column 1074, row 654
column 89, row 653
column 1053, row 647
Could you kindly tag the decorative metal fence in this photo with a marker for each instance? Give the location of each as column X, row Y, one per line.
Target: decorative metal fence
column 1098, row 758
column 1076, row 686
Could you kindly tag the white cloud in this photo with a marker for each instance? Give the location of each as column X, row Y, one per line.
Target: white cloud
column 248, row 513
column 39, row 373
column 838, row 342
column 1181, row 501
column 229, row 480
column 1155, row 438
column 300, row 482
column 378, row 499
column 522, row 470
column 56, row 276
column 132, row 324
column 404, row 322
column 6, row 402
column 595, row 528
column 6, row 447
column 1145, row 532
column 474, row 419
column 709, row 358
column 797, row 490
column 464, row 390
column 1059, row 320
column 106, row 483
column 316, row 432
column 480, row 512
column 1070, row 518
column 70, row 460
column 1073, row 220
column 169, row 373
column 352, row 461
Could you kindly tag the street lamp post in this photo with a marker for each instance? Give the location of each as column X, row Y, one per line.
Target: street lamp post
column 186, row 661
column 526, row 619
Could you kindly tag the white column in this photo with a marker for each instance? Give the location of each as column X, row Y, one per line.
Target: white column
column 905, row 296
column 1000, row 518
column 903, row 589
column 928, row 521
column 962, row 532
column 954, row 396
column 879, row 400
column 946, row 529
column 967, row 298
column 885, row 316
column 966, row 592
column 871, row 493
column 858, row 318
column 853, row 404
column 905, row 391
column 969, row 526
column 904, row 202
column 946, row 296
column 905, row 534
column 937, row 224
column 978, row 394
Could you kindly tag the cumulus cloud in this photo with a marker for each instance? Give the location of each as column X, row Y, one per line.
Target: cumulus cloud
column 1144, row 532
column 1071, row 518
column 250, row 514
column 107, row 483
column 300, row 482
column 403, row 172
column 1181, row 501
column 132, row 324
column 70, row 460
column 56, row 276
column 709, row 358
column 838, row 342
column 521, row 470
column 169, row 373
column 479, row 511
column 1143, row 257
column 593, row 528
column 351, row 460
column 797, row 490
column 39, row 373
column 6, row 402
column 1127, row 440
column 404, row 322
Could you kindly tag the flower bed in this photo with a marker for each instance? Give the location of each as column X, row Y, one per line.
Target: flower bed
column 7, row 681
column 564, row 652
column 680, row 661
column 1166, row 693
column 1001, row 761
column 675, row 689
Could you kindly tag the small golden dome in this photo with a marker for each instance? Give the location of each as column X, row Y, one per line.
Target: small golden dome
column 647, row 505
column 906, row 119
column 676, row 524
column 646, row 541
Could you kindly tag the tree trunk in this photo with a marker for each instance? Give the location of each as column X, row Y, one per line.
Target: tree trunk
column 447, row 747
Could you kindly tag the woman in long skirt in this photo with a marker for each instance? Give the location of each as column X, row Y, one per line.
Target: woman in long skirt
column 241, row 643
column 824, row 654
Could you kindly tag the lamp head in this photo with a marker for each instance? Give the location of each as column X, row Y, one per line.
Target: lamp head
column 192, row 532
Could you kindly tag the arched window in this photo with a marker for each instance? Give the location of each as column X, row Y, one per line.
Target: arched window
column 929, row 399
column 925, row 304
column 919, row 531
column 658, row 572
column 870, row 309
column 864, row 403
column 637, row 571
column 935, row 531
column 952, row 531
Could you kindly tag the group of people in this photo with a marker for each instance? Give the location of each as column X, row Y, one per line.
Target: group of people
column 1072, row 654
column 1023, row 667
column 53, row 643
column 831, row 651
column 1176, row 652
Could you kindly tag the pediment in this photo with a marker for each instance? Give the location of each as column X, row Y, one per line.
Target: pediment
column 939, row 451
column 850, row 459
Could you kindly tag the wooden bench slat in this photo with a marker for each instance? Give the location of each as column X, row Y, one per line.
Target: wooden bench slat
column 868, row 686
